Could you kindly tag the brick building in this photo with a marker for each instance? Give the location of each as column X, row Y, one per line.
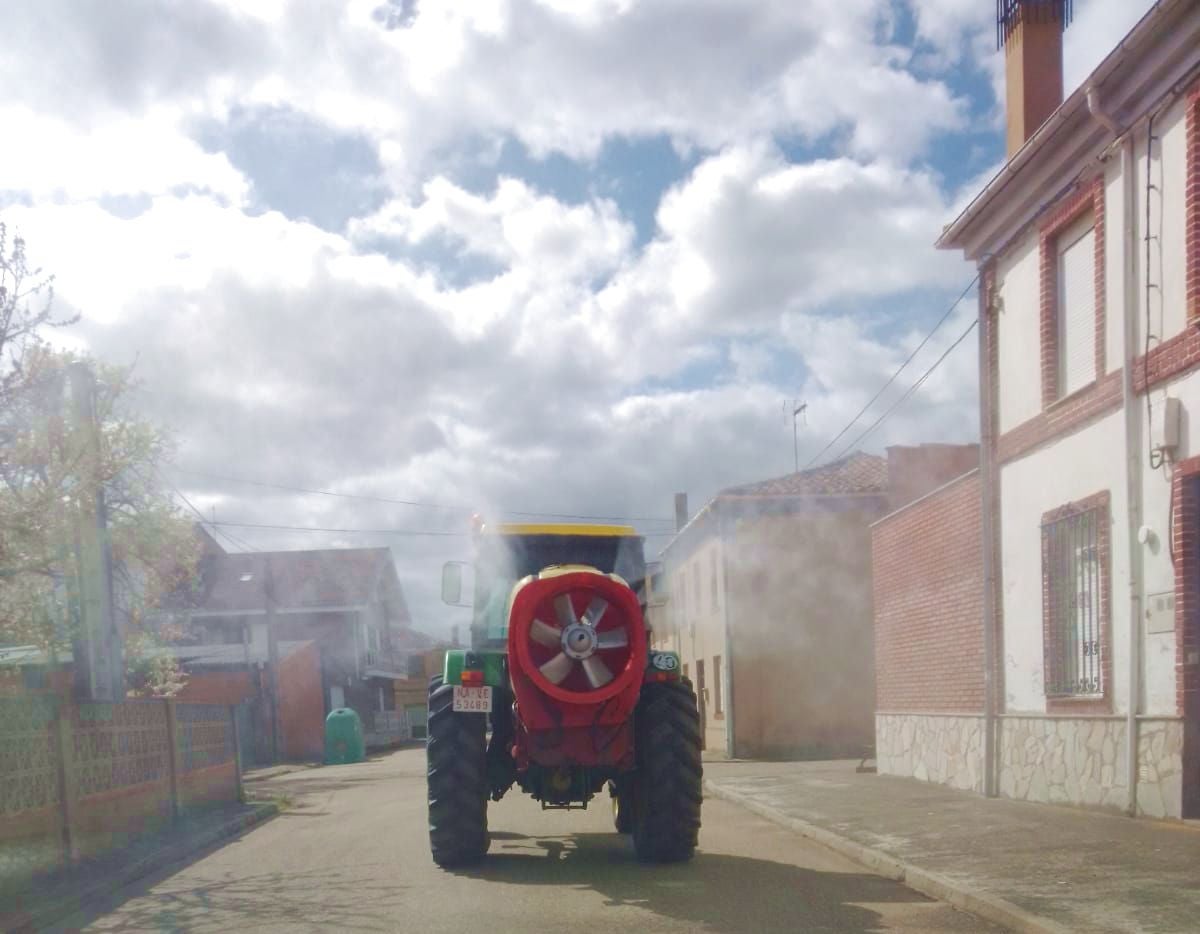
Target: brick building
column 768, row 602
column 1088, row 245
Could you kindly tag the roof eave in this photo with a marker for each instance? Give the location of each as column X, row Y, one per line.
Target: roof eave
column 959, row 233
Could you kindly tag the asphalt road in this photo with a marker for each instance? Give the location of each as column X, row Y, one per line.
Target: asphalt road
column 350, row 853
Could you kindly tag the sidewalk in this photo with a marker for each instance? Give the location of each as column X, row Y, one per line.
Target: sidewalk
column 1031, row 867
column 52, row 897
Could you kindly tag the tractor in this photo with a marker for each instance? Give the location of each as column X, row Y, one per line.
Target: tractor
column 560, row 694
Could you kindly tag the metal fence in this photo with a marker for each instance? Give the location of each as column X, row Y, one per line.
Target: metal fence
column 389, row 726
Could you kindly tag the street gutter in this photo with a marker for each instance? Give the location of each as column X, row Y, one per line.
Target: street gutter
column 966, row 898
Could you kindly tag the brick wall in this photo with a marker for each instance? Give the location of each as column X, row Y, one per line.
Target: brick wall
column 217, row 687
column 1185, row 547
column 1192, row 193
column 916, row 470
column 928, row 589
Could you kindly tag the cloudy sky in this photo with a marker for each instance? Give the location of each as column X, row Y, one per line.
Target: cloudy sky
column 515, row 256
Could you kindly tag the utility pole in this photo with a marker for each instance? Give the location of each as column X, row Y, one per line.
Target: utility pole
column 99, row 665
column 272, row 661
column 798, row 408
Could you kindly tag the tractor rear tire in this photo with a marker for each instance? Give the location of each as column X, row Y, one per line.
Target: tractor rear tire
column 456, row 759
column 667, row 786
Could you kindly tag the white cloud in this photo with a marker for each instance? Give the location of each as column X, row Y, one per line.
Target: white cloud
column 497, row 347
column 749, row 236
column 48, row 158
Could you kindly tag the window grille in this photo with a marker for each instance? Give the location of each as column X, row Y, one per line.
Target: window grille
column 1072, row 588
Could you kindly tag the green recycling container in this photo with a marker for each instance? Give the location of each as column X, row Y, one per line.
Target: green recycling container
column 343, row 737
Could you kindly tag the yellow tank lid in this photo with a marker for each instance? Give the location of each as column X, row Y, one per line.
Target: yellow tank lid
column 534, row 528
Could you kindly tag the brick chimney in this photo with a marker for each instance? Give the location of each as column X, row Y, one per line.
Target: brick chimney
column 1030, row 31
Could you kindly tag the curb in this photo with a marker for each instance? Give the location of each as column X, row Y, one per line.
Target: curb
column 988, row 907
column 44, row 917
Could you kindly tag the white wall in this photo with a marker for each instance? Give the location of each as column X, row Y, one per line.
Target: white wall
column 1168, row 256
column 1019, row 334
column 701, row 630
column 1090, row 460
column 1075, row 467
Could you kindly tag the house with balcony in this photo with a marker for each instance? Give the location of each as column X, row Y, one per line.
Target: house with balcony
column 345, row 604
column 1088, row 245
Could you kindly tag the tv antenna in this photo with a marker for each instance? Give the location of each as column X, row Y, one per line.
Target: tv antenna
column 797, row 410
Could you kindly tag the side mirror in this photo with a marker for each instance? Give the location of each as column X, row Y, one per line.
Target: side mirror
column 452, row 583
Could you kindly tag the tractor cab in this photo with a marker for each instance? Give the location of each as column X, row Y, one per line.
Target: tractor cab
column 509, row 552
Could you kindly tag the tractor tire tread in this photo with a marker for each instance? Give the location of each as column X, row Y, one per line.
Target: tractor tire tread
column 456, row 760
column 669, row 776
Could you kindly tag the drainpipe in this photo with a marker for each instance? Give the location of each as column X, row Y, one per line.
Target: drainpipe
column 1133, row 430
column 1099, row 114
column 1133, row 465
column 987, row 483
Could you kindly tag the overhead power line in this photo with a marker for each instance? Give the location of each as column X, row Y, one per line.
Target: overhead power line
column 232, row 539
column 911, row 389
column 909, row 359
column 410, row 502
column 314, row 528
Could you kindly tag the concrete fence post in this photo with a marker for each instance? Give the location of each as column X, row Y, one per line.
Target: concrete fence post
column 172, row 755
column 237, row 752
column 67, row 784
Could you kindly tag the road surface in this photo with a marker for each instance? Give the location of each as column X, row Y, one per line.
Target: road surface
column 350, row 853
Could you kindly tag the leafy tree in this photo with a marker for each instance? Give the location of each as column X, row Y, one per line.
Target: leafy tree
column 51, row 466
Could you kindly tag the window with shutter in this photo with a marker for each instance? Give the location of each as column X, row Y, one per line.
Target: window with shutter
column 1077, row 307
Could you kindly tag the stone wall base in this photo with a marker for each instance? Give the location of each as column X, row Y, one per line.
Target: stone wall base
column 1051, row 760
column 1081, row 760
column 946, row 749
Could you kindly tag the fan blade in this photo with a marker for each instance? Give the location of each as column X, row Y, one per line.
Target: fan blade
column 545, row 634
column 597, row 672
column 595, row 610
column 557, row 669
column 612, row 639
column 565, row 610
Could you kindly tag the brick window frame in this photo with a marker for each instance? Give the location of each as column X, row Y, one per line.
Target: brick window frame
column 1192, row 215
column 1101, row 704
column 1185, row 552
column 1180, row 353
column 1089, row 198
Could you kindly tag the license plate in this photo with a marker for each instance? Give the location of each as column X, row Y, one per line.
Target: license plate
column 472, row 700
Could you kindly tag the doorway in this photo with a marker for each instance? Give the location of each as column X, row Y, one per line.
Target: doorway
column 701, row 702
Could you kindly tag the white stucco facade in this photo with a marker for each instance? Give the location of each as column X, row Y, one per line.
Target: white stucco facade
column 1087, row 458
column 1092, row 483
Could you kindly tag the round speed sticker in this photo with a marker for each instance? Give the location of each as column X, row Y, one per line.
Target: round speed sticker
column 666, row 662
